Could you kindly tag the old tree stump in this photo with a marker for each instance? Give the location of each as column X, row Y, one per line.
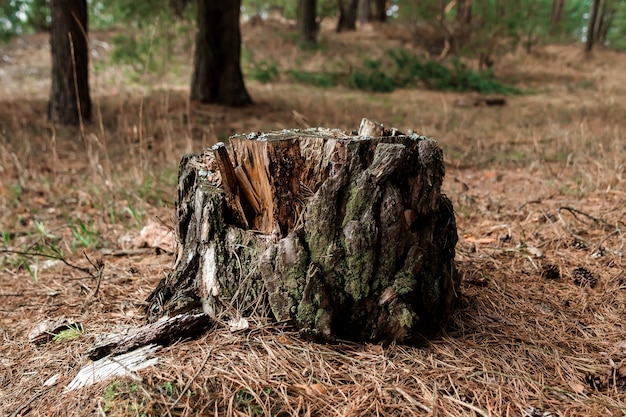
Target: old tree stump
column 345, row 236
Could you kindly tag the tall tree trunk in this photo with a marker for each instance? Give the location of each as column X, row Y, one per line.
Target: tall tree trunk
column 69, row 91
column 347, row 15
column 501, row 10
column 217, row 76
column 364, row 11
column 464, row 12
column 380, row 10
column 556, row 15
column 307, row 11
column 593, row 16
column 597, row 28
column 607, row 22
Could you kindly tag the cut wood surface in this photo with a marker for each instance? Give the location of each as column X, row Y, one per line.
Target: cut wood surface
column 345, row 235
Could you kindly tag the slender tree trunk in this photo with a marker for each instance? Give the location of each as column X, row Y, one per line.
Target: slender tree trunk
column 593, row 16
column 380, row 11
column 597, row 29
column 364, row 11
column 501, row 10
column 556, row 15
column 347, row 15
column 217, row 76
column 69, row 91
column 607, row 22
column 464, row 12
column 307, row 11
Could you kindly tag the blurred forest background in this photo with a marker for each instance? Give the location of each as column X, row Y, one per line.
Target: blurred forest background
column 148, row 33
column 523, row 20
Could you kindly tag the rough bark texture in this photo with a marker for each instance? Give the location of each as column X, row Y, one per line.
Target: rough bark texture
column 69, row 90
column 344, row 236
column 217, row 76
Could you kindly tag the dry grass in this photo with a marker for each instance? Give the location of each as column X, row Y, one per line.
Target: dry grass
column 530, row 333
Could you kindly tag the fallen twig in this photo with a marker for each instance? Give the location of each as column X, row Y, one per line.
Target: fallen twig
column 45, row 255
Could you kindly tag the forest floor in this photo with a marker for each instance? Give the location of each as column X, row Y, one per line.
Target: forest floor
column 538, row 186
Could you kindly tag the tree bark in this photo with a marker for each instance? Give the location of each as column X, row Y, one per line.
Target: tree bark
column 556, row 15
column 69, row 91
column 347, row 15
column 307, row 23
column 464, row 12
column 501, row 10
column 380, row 11
column 593, row 16
column 217, row 76
column 597, row 28
column 607, row 22
column 343, row 236
column 364, row 11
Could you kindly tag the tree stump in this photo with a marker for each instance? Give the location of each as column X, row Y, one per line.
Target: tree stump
column 346, row 236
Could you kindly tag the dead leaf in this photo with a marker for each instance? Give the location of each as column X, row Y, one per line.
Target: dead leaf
column 492, row 174
column 155, row 235
column 536, row 252
column 577, row 387
column 313, row 389
column 283, row 340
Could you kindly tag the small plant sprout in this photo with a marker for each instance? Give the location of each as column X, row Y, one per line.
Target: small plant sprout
column 72, row 332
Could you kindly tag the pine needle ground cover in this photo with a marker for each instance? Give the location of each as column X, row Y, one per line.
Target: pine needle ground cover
column 539, row 193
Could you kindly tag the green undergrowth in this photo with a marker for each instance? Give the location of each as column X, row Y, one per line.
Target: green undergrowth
column 398, row 69
column 403, row 69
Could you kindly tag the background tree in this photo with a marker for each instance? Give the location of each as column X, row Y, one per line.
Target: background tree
column 464, row 12
column 556, row 14
column 591, row 27
column 364, row 11
column 69, row 91
column 307, row 24
column 347, row 15
column 603, row 22
column 217, row 76
column 380, row 11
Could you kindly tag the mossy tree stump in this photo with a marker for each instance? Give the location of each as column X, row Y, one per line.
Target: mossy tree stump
column 345, row 236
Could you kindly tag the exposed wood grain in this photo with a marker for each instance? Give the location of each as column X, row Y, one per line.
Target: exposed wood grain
column 162, row 332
